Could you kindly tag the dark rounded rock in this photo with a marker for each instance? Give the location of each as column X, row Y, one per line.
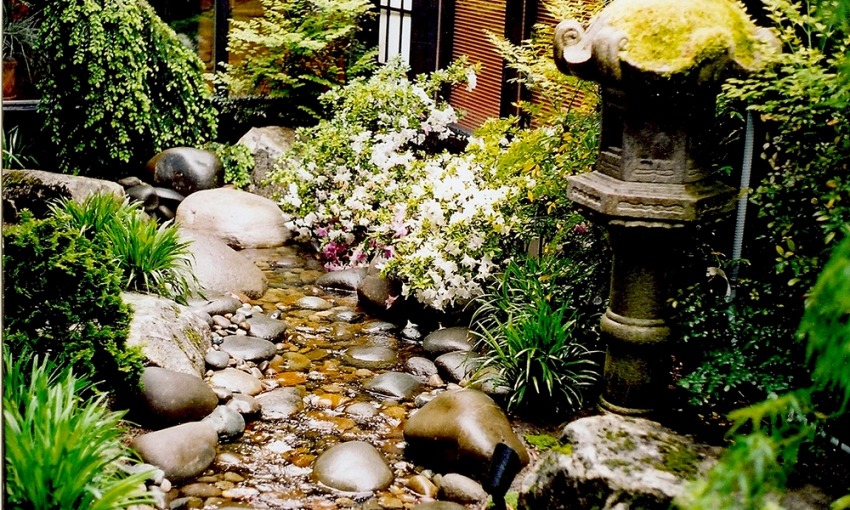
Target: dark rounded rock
column 393, row 384
column 169, row 198
column 371, row 357
column 228, row 422
column 266, row 327
column 421, row 367
column 219, row 305
column 145, row 194
column 448, row 340
column 248, row 348
column 460, row 428
column 186, row 170
column 456, row 366
column 456, row 487
column 377, row 294
column 355, row 466
column 129, row 182
column 280, row 404
column 183, row 451
column 217, row 359
column 345, row 279
column 169, row 397
column 163, row 212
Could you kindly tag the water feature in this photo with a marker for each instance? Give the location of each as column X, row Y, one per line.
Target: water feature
column 270, row 465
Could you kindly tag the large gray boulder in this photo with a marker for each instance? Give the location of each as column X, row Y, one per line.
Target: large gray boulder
column 614, row 462
column 169, row 397
column 185, row 170
column 170, row 335
column 239, row 218
column 183, row 451
column 460, row 429
column 267, row 144
column 221, row 269
column 448, row 340
column 35, row 189
column 355, row 466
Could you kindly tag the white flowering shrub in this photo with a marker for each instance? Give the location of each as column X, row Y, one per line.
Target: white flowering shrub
column 372, row 180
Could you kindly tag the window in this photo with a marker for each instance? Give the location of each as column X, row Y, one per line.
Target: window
column 394, row 29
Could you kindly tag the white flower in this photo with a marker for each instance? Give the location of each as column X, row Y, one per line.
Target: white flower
column 471, row 80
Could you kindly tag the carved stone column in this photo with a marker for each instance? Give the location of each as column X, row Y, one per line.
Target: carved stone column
column 659, row 64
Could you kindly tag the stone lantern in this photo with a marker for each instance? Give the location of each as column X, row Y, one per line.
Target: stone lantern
column 659, row 64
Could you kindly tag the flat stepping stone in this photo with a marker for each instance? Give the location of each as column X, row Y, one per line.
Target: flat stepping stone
column 345, row 279
column 290, row 362
column 183, row 451
column 228, row 422
column 347, row 315
column 448, row 340
column 236, row 381
column 267, row 328
column 355, row 466
column 248, row 348
column 280, row 403
column 313, row 303
column 455, row 366
column 170, row 397
column 393, row 384
column 370, row 356
column 378, row 328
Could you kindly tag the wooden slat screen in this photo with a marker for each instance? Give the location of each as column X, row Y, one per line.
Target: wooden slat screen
column 472, row 18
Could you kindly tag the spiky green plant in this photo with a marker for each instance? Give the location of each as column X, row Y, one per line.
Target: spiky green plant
column 152, row 258
column 61, row 451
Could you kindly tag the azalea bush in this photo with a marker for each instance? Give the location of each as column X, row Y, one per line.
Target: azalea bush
column 368, row 183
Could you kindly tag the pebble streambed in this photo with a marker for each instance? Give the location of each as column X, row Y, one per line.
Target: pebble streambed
column 270, row 465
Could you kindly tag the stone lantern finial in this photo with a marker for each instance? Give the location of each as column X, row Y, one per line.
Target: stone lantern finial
column 693, row 42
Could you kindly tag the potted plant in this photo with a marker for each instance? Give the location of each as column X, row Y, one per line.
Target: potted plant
column 20, row 33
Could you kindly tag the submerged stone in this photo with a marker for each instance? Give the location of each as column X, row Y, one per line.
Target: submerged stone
column 355, row 466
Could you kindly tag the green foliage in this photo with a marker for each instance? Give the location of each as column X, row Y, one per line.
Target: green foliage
column 152, row 258
column 768, row 436
column 800, row 193
column 297, row 49
column 62, row 451
column 528, row 331
column 119, row 86
column 62, row 300
column 237, row 160
column 13, row 154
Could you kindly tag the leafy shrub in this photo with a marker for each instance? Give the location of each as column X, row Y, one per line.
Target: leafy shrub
column 297, row 49
column 152, row 258
column 62, row 451
column 531, row 332
column 237, row 160
column 62, row 300
column 119, row 86
column 756, row 467
column 800, row 187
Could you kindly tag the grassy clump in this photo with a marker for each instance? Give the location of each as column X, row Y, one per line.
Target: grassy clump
column 62, row 451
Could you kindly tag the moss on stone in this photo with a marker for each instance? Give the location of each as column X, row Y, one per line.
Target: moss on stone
column 679, row 460
column 542, row 441
column 673, row 36
column 565, row 449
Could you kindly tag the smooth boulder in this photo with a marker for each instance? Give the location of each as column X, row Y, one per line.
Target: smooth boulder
column 221, row 269
column 183, row 451
column 447, row 340
column 460, row 428
column 280, row 404
column 185, row 170
column 169, row 398
column 248, row 348
column 35, row 189
column 170, row 335
column 355, row 466
column 240, row 219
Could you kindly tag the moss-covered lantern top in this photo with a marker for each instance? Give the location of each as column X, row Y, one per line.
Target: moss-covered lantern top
column 648, row 41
